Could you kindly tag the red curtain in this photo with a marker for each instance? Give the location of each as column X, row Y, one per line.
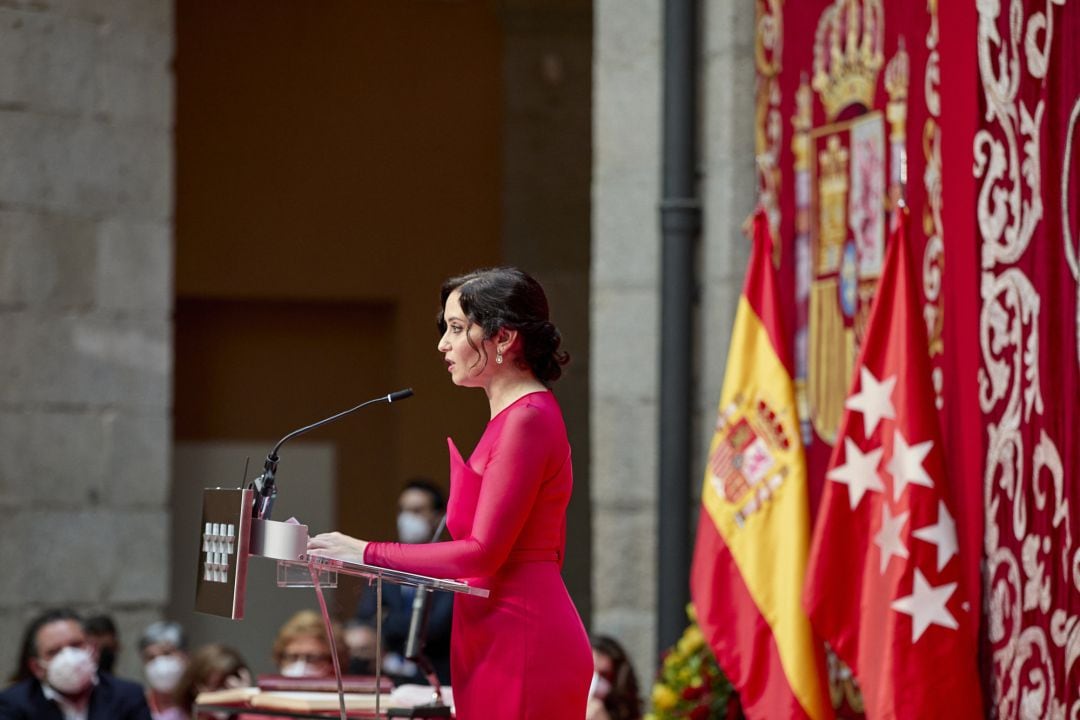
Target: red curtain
column 991, row 139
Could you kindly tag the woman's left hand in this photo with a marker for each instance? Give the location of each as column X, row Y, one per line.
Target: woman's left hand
column 338, row 546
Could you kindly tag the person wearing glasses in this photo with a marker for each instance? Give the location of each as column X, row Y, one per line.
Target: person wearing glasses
column 302, row 649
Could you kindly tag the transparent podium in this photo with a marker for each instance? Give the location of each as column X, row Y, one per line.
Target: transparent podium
column 231, row 535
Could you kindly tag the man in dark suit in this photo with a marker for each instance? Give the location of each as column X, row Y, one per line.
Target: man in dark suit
column 421, row 507
column 57, row 678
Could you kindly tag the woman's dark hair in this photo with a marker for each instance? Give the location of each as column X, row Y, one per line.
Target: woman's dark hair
column 506, row 297
column 429, row 488
column 28, row 648
column 623, row 702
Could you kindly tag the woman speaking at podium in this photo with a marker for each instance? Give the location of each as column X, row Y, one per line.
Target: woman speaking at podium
column 522, row 652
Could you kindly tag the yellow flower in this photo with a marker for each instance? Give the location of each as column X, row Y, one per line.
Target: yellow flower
column 663, row 697
column 691, row 640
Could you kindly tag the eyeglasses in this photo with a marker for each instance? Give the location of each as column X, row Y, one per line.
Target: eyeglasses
column 309, row 658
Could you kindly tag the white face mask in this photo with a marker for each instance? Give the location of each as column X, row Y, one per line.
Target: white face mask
column 71, row 671
column 413, row 528
column 299, row 669
column 599, row 688
column 163, row 672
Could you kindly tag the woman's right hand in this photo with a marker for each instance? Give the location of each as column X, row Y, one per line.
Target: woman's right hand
column 338, row 546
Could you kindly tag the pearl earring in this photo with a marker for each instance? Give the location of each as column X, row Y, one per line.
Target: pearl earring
column 498, row 357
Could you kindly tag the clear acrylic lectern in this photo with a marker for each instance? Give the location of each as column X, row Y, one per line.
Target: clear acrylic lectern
column 230, row 535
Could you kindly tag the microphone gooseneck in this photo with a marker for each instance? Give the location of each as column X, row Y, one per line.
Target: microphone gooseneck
column 265, row 486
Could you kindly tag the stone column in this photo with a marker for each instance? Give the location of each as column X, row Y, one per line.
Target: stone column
column 627, row 72
column 625, row 329
column 86, row 166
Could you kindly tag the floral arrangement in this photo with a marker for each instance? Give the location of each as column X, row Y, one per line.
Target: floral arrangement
column 690, row 684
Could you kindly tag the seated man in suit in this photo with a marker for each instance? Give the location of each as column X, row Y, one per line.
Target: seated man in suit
column 421, row 506
column 57, row 678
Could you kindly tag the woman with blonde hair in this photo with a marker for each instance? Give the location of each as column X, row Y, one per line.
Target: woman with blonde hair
column 302, row 648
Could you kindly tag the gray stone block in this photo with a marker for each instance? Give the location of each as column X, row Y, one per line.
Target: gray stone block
column 74, row 167
column 54, row 459
column 626, row 30
column 93, row 557
column 44, row 261
column 142, row 555
column 138, row 471
column 46, row 61
column 626, row 120
column 624, row 452
column 132, row 94
column 625, row 337
column 85, row 361
column 148, row 15
column 14, row 547
column 147, row 46
column 626, row 233
column 624, row 557
column 134, row 267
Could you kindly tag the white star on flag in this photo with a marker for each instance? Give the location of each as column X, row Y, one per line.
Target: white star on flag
column 926, row 606
column 906, row 464
column 943, row 534
column 874, row 399
column 888, row 537
column 859, row 472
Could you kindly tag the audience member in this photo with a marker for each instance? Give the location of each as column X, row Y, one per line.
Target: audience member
column 360, row 640
column 59, row 674
column 613, row 694
column 101, row 634
column 211, row 667
column 163, row 649
column 421, row 506
column 303, row 650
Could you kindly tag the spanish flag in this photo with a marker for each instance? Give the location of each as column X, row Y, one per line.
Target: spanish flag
column 753, row 534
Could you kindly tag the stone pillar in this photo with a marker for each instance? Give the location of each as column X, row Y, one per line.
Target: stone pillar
column 625, row 324
column 86, row 108
column 627, row 74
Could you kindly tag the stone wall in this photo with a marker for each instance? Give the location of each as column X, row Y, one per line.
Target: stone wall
column 627, row 96
column 86, row 96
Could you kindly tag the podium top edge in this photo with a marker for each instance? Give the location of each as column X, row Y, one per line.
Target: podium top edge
column 398, row 577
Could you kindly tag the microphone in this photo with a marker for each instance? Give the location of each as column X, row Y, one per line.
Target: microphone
column 264, row 485
column 414, row 645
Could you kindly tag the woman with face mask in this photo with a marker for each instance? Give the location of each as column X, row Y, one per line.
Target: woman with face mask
column 163, row 649
column 302, row 649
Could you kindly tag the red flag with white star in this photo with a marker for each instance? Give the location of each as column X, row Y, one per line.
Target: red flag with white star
column 885, row 585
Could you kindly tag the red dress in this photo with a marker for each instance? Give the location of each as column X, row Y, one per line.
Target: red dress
column 522, row 652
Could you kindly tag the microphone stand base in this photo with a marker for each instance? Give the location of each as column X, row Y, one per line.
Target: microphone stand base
column 421, row 711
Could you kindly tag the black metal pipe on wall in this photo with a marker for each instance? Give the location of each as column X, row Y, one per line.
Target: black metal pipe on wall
column 680, row 222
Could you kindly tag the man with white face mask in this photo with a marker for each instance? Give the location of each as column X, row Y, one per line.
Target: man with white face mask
column 421, row 507
column 163, row 649
column 59, row 678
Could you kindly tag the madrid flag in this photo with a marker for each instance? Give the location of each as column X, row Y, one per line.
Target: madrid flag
column 753, row 533
column 885, row 584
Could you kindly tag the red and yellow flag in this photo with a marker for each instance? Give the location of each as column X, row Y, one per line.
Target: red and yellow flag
column 753, row 534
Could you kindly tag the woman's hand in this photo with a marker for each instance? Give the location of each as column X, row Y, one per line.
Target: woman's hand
column 337, row 545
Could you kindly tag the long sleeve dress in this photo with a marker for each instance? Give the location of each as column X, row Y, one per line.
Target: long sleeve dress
column 522, row 652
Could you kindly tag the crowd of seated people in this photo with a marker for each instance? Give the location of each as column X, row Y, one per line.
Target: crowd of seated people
column 60, row 675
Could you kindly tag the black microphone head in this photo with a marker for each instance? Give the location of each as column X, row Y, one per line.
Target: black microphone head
column 399, row 395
